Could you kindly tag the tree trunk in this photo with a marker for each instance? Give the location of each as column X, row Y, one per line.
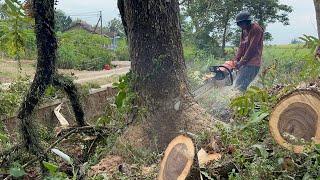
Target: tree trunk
column 47, row 45
column 159, row 70
column 43, row 11
column 224, row 36
column 317, row 9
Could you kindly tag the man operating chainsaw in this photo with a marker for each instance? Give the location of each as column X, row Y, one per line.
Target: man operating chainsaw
column 248, row 57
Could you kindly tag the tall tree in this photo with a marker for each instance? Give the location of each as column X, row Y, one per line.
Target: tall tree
column 159, row 71
column 62, row 20
column 268, row 11
column 216, row 18
column 317, row 9
column 115, row 25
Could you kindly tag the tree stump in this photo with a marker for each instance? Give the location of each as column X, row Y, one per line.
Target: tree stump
column 178, row 159
column 295, row 120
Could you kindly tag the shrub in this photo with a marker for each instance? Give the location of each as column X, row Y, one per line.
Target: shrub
column 82, row 50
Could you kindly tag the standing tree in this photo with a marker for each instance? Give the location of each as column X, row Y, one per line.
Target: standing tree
column 317, row 9
column 215, row 19
column 43, row 12
column 159, row 71
column 115, row 25
column 268, row 11
column 63, row 22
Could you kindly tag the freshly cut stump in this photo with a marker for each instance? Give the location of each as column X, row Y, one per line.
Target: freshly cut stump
column 178, row 159
column 296, row 120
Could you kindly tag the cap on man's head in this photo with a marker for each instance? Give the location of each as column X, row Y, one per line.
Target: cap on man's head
column 243, row 16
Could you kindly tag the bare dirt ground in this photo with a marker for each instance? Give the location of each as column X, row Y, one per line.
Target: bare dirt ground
column 9, row 72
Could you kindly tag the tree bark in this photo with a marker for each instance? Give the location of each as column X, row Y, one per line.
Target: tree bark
column 317, row 9
column 47, row 45
column 224, row 36
column 45, row 75
column 159, row 71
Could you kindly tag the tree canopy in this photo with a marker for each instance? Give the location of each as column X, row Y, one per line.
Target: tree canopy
column 211, row 24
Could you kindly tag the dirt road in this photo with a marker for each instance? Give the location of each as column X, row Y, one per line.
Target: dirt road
column 9, row 72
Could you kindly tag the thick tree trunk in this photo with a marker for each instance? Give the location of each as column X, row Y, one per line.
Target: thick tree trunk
column 159, row 70
column 317, row 9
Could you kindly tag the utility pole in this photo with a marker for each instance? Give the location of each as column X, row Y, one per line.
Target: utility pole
column 101, row 21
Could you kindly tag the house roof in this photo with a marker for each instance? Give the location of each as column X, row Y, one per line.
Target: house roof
column 87, row 27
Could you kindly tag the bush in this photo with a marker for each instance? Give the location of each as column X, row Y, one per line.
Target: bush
column 82, row 50
column 122, row 52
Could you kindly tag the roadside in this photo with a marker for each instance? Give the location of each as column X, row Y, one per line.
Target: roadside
column 10, row 72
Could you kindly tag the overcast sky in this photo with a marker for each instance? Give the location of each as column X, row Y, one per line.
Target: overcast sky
column 302, row 20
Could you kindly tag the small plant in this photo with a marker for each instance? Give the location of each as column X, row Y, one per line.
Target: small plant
column 54, row 173
column 17, row 171
column 254, row 99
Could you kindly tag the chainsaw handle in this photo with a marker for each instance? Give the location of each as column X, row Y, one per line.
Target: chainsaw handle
column 216, row 68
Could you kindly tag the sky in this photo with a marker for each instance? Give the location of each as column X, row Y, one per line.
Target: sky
column 302, row 19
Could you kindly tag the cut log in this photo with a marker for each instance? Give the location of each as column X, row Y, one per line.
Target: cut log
column 178, row 159
column 296, row 119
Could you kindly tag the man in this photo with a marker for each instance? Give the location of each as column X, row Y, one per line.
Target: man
column 248, row 58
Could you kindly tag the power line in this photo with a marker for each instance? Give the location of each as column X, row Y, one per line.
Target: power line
column 84, row 13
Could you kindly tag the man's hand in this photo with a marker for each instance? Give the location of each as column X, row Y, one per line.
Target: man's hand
column 238, row 64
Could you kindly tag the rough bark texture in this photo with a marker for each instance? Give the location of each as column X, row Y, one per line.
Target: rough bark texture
column 69, row 87
column 159, row 70
column 47, row 45
column 45, row 74
column 317, row 9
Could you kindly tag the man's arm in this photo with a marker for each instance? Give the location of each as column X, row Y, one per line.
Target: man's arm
column 253, row 44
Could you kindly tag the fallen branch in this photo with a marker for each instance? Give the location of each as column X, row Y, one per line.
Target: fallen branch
column 64, row 135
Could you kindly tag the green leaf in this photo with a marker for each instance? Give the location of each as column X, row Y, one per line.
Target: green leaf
column 261, row 151
column 17, row 171
column 255, row 118
column 52, row 168
column 3, row 137
column 120, row 98
column 307, row 177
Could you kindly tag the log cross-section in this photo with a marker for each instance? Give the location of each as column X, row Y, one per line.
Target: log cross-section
column 178, row 159
column 296, row 120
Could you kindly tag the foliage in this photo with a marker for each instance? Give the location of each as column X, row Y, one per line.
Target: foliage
column 11, row 98
column 54, row 173
column 115, row 25
column 255, row 155
column 210, row 24
column 287, row 64
column 15, row 34
column 63, row 21
column 253, row 99
column 17, row 171
column 122, row 51
column 81, row 50
column 125, row 95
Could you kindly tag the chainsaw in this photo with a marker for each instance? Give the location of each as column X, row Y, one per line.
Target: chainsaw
column 222, row 75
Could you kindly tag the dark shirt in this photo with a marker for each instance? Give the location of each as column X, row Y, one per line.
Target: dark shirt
column 251, row 46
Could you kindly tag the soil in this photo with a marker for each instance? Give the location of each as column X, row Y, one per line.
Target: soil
column 9, row 72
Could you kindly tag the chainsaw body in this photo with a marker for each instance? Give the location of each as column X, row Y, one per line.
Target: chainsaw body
column 223, row 71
